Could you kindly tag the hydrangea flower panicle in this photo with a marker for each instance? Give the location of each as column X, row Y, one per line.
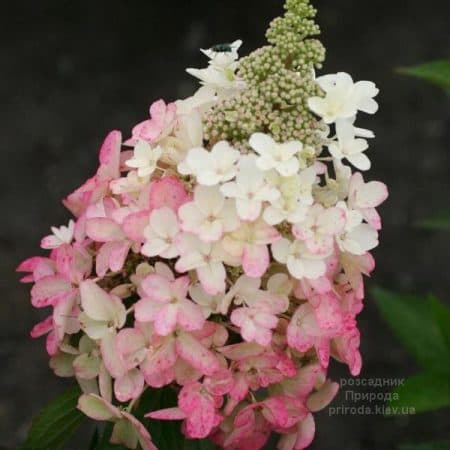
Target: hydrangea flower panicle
column 222, row 253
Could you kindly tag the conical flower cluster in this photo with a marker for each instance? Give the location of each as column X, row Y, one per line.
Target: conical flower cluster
column 219, row 251
column 279, row 78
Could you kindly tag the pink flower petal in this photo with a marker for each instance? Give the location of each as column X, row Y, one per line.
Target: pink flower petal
column 158, row 364
column 168, row 191
column 131, row 345
column 42, row 328
column 274, row 410
column 220, row 383
column 102, row 229
column 111, row 356
column 48, row 290
column 134, row 224
column 255, row 260
column 145, row 310
column 195, row 354
column 201, row 421
column 119, row 253
column 90, row 192
column 166, row 319
column 110, row 156
column 65, row 317
column 212, row 277
column 157, row 287
column 129, row 386
column 51, row 344
column 190, row 316
column 167, row 414
column 31, row 264
column 111, row 256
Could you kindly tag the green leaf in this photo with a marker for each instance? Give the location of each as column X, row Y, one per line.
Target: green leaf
column 435, row 72
column 440, row 222
column 94, row 440
column 442, row 317
column 427, row 446
column 55, row 423
column 413, row 322
column 423, row 392
column 103, row 443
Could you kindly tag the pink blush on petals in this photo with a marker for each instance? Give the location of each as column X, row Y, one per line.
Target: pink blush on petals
column 168, row 191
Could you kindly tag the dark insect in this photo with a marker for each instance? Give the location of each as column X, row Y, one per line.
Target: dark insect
column 222, row 48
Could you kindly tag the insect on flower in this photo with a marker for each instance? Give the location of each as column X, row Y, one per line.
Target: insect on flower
column 222, row 48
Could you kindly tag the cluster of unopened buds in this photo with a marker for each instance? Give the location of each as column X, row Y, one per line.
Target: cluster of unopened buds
column 231, row 273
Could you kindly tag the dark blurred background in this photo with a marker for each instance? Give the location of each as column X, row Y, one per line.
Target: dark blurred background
column 72, row 71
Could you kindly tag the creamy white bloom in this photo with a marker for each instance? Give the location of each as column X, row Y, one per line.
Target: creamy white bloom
column 201, row 101
column 359, row 240
column 363, row 133
column 308, row 153
column 272, row 155
column 336, row 188
column 210, row 304
column 357, row 237
column 295, row 196
column 160, row 234
column 62, row 235
column 132, row 183
column 343, row 98
column 349, row 147
column 220, row 75
column 244, row 289
column 285, row 209
column 299, row 261
column 360, row 132
column 209, row 215
column 188, row 131
column 102, row 312
column 145, row 158
column 319, row 228
column 187, row 134
column 249, row 244
column 211, row 168
column 298, row 187
column 306, row 180
column 365, row 197
column 250, row 190
column 207, row 259
column 280, row 284
column 343, row 175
